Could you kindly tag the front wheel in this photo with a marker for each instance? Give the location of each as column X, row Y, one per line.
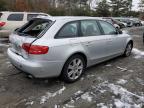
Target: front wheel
column 128, row 49
column 73, row 69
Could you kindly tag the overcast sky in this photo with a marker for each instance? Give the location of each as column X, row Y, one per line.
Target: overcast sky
column 135, row 4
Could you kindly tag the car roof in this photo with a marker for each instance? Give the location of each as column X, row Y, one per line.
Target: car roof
column 54, row 18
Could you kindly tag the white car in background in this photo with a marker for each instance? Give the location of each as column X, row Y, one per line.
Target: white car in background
column 9, row 21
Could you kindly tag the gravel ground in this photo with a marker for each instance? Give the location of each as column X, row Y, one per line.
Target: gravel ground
column 118, row 83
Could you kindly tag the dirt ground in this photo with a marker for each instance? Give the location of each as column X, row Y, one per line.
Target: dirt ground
column 118, row 83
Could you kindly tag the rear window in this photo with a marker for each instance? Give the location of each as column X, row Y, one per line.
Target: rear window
column 34, row 27
column 15, row 17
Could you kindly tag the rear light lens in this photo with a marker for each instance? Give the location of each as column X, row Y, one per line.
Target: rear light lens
column 35, row 49
column 2, row 24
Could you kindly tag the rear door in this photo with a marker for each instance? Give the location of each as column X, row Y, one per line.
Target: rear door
column 27, row 35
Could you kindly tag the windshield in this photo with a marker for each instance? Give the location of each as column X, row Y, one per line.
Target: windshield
column 34, row 27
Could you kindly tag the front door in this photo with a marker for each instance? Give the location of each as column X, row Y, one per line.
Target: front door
column 93, row 41
column 115, row 42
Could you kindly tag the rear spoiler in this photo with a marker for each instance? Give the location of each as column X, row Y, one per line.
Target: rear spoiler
column 45, row 17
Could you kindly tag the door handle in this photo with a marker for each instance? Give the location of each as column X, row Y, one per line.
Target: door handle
column 109, row 40
column 88, row 43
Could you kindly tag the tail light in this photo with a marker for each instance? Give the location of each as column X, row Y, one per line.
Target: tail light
column 35, row 49
column 2, row 24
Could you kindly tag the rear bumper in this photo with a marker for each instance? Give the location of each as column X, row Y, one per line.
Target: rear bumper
column 37, row 69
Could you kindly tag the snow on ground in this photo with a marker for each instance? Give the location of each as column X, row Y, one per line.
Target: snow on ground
column 30, row 103
column 108, row 65
column 138, row 53
column 122, row 69
column 140, row 81
column 122, row 98
column 90, row 76
column 121, row 81
column 86, row 96
column 49, row 95
column 69, row 106
column 102, row 105
column 131, row 70
column 127, row 99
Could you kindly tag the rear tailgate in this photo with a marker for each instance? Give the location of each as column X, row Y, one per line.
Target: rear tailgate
column 27, row 34
column 17, row 42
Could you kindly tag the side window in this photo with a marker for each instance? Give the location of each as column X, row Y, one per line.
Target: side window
column 15, row 17
column 30, row 16
column 107, row 28
column 69, row 30
column 90, row 28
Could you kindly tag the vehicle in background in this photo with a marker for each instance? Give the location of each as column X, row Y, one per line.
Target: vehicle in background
column 125, row 20
column 114, row 21
column 136, row 21
column 110, row 21
column 9, row 21
column 65, row 46
column 129, row 21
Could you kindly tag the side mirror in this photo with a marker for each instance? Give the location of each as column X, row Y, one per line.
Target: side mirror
column 119, row 31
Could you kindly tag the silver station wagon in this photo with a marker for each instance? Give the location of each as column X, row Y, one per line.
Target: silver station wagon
column 65, row 46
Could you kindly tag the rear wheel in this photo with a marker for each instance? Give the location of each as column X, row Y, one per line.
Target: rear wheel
column 73, row 69
column 128, row 49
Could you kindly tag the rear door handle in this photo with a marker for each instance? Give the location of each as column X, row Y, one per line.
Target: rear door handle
column 109, row 40
column 88, row 43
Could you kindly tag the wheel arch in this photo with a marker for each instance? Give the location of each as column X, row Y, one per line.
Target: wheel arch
column 76, row 53
column 131, row 41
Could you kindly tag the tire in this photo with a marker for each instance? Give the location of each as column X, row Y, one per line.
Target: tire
column 73, row 69
column 128, row 49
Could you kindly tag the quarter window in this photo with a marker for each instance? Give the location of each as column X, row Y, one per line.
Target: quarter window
column 90, row 28
column 69, row 30
column 107, row 28
column 15, row 17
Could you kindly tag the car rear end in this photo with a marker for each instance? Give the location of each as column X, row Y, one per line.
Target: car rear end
column 28, row 51
column 3, row 24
